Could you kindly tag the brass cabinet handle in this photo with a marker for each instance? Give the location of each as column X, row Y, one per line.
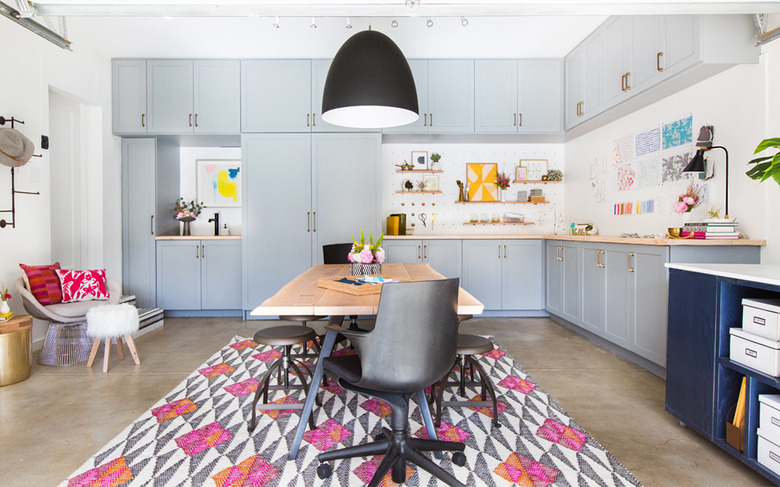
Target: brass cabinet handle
column 197, row 247
column 418, row 253
column 558, row 255
column 515, row 123
column 499, row 251
column 425, row 251
column 196, row 119
column 190, row 120
column 313, row 119
column 203, row 251
column 151, row 225
column 630, row 269
column 623, row 83
column 143, row 121
column 307, row 119
column 505, row 251
column 578, row 109
column 598, row 258
column 658, row 62
column 520, row 118
column 308, row 221
column 431, row 115
column 425, row 120
column 314, row 221
column 628, row 81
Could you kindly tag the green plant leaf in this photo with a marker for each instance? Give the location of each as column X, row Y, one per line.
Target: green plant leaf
column 759, row 159
column 758, row 171
column 767, row 143
column 379, row 240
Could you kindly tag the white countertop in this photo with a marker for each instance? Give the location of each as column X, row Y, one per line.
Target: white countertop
column 763, row 273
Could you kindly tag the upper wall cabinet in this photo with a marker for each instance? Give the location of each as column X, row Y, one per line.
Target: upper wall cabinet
column 276, row 95
column 633, row 55
column 518, row 96
column 176, row 96
column 445, row 96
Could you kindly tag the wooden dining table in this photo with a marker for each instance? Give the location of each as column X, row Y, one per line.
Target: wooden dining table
column 303, row 296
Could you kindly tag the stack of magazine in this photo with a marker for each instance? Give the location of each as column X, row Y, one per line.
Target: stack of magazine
column 711, row 230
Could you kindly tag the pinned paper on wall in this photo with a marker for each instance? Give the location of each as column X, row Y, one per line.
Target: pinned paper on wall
column 625, row 177
column 648, row 142
column 634, row 207
column 672, row 166
column 598, row 176
column 623, row 150
column 678, row 133
column 647, row 172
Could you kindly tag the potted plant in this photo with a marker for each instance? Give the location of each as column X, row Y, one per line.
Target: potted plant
column 186, row 213
column 766, row 166
column 366, row 257
column 435, row 158
column 502, row 180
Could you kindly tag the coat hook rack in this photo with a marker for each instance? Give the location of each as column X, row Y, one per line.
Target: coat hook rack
column 14, row 192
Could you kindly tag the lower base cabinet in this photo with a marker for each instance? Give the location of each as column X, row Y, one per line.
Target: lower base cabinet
column 199, row 274
column 443, row 255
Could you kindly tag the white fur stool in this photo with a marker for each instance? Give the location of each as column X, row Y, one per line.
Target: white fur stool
column 112, row 321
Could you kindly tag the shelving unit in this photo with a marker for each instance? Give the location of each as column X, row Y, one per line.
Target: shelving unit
column 502, row 202
column 535, row 182
column 419, row 171
column 418, row 192
column 498, row 223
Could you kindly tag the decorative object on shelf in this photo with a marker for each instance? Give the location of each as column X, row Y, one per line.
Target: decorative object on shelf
column 436, row 166
column 461, row 191
column 522, row 195
column 502, row 181
column 509, row 217
column 766, row 166
column 219, row 183
column 369, row 84
column 536, row 168
column 15, row 151
column 186, row 213
column 554, row 175
column 421, row 184
column 407, row 185
column 521, row 173
column 5, row 310
column 699, row 164
column 481, row 179
column 689, row 200
column 420, row 159
column 431, row 183
column 366, row 257
column 544, row 177
column 582, row 229
column 405, row 166
column 713, row 213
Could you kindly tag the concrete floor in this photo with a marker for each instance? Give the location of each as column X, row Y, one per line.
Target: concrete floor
column 53, row 422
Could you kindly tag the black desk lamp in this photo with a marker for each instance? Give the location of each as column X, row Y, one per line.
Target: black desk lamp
column 698, row 163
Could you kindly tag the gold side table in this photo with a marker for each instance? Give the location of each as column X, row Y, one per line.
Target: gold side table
column 15, row 349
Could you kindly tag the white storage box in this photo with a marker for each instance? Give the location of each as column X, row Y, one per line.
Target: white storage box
column 754, row 351
column 769, row 416
column 761, row 317
column 768, row 453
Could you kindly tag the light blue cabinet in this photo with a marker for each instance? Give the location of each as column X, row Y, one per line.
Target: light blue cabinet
column 594, row 282
column 419, row 69
column 217, row 97
column 128, row 95
column 169, row 90
column 504, row 274
column 443, row 255
column 302, row 191
column 199, row 275
column 563, row 291
column 523, row 96
column 276, row 95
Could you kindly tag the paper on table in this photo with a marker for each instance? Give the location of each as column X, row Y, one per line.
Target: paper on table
column 375, row 280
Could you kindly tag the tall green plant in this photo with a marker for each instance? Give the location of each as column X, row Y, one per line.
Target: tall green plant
column 766, row 166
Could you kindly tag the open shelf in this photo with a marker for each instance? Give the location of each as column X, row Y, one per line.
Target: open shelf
column 417, row 192
column 498, row 223
column 526, row 181
column 503, row 202
column 419, row 171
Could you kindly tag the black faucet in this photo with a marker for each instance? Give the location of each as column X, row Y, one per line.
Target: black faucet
column 216, row 223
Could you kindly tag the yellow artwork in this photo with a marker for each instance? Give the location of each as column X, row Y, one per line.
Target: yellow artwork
column 226, row 187
column 218, row 183
column 482, row 181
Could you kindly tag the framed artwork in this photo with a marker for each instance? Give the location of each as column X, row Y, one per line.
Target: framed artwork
column 535, row 168
column 521, row 173
column 420, row 159
column 218, row 182
column 482, row 181
column 431, row 183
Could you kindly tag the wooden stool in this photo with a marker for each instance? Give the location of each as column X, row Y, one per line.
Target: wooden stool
column 285, row 336
column 468, row 346
column 112, row 321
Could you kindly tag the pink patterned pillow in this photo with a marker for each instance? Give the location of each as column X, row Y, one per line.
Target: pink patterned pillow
column 43, row 283
column 83, row 285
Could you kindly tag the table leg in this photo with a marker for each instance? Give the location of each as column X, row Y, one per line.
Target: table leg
column 426, row 414
column 327, row 347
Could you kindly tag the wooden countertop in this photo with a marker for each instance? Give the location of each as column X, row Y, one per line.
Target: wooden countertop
column 198, row 237
column 763, row 273
column 590, row 238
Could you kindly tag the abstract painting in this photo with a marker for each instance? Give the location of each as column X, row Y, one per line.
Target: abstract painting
column 482, row 181
column 219, row 183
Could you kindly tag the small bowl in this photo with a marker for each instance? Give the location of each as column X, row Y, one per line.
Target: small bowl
column 674, row 232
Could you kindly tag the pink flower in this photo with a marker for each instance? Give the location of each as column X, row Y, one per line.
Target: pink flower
column 7, row 296
column 688, row 201
column 380, row 255
column 366, row 257
column 680, row 207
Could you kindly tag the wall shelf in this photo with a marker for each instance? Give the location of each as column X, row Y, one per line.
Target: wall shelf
column 535, row 182
column 502, row 202
column 498, row 223
column 418, row 192
column 419, row 171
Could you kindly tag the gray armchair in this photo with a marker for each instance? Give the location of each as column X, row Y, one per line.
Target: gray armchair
column 66, row 341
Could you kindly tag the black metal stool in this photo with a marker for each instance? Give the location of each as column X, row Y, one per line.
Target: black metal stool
column 286, row 336
column 304, row 320
column 468, row 346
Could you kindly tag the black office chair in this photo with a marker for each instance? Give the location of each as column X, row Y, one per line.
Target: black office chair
column 337, row 254
column 412, row 345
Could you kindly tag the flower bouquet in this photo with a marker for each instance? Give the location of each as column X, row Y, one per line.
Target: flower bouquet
column 5, row 310
column 366, row 257
column 502, row 181
column 688, row 200
column 186, row 212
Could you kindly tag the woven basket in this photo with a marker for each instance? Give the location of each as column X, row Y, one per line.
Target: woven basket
column 364, row 269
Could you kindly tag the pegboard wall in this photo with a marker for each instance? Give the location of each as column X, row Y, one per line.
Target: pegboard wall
column 450, row 215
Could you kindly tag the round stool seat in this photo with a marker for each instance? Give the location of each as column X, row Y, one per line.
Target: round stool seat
column 473, row 345
column 284, row 335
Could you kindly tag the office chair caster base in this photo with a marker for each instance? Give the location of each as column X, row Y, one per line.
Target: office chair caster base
column 324, row 471
column 458, row 458
column 496, row 424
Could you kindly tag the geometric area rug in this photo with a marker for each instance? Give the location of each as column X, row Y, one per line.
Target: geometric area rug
column 197, row 435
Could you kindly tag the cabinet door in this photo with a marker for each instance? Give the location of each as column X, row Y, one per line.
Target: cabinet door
column 572, row 297
column 690, row 366
column 617, row 59
column 680, row 42
column 594, row 300
column 178, row 274
column 319, row 74
column 220, row 274
column 573, row 68
column 419, row 69
column 403, row 251
column 617, row 327
column 276, row 95
column 346, row 195
column 451, row 96
column 495, row 96
column 482, row 271
column 169, row 90
column 648, row 299
column 276, row 224
column 521, row 276
column 444, row 256
column 554, row 275
column 217, row 98
column 593, row 83
column 138, row 213
column 646, row 32
column 540, row 99
column 128, row 93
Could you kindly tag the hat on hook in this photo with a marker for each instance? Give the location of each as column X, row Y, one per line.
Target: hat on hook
column 15, row 149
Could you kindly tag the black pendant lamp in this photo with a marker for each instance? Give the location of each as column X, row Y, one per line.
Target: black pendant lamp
column 369, row 84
